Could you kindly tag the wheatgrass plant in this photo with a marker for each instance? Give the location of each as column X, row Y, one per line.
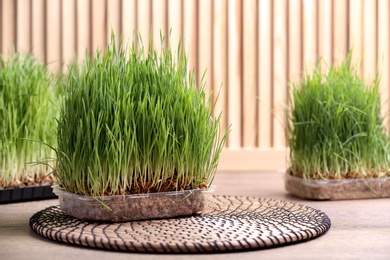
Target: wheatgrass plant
column 335, row 129
column 134, row 121
column 26, row 113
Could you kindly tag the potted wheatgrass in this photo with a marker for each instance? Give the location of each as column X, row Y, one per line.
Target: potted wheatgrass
column 136, row 137
column 338, row 146
column 26, row 113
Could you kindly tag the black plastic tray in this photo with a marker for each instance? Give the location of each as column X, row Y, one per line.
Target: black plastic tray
column 26, row 194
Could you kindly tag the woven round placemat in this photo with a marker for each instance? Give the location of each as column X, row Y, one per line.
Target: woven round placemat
column 230, row 223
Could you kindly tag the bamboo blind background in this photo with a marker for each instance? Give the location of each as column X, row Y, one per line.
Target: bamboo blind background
column 253, row 48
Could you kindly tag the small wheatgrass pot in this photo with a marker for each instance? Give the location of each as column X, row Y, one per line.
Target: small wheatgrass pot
column 26, row 113
column 136, row 137
column 338, row 146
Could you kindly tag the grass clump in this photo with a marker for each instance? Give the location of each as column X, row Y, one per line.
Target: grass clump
column 26, row 112
column 335, row 129
column 135, row 122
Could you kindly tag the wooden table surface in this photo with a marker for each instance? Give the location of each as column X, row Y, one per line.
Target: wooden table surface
column 360, row 228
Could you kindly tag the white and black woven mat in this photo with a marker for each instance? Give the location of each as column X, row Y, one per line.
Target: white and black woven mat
column 230, row 223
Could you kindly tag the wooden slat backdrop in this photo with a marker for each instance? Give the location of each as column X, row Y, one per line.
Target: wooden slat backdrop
column 251, row 50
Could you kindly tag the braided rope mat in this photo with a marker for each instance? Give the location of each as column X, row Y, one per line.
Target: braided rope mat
column 229, row 224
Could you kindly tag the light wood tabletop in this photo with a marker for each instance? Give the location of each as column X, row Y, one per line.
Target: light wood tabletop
column 360, row 228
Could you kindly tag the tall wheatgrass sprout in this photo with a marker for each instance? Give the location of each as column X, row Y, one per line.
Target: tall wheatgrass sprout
column 335, row 128
column 26, row 113
column 134, row 121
